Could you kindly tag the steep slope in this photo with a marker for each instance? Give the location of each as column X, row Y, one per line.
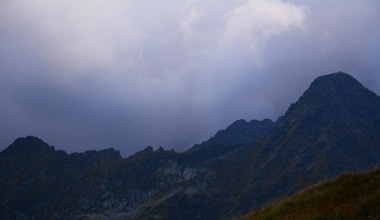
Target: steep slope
column 234, row 136
column 351, row 196
column 333, row 128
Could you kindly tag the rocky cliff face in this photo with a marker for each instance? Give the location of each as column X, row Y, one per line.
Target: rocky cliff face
column 333, row 128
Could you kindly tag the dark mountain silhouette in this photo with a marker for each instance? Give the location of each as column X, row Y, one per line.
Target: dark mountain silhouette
column 238, row 134
column 39, row 182
column 333, row 128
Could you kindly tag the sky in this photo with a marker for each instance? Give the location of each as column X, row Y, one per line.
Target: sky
column 94, row 74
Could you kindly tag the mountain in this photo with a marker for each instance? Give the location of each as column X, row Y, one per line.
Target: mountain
column 36, row 180
column 333, row 128
column 40, row 182
column 351, row 196
column 234, row 136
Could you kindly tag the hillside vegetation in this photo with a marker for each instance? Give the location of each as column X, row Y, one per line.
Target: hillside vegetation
column 351, row 196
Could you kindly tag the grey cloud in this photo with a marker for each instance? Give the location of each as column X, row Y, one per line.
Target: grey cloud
column 127, row 74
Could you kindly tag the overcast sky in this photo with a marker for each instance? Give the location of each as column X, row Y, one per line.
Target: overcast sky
column 93, row 74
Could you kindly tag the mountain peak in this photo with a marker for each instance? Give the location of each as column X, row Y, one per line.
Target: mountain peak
column 338, row 92
column 339, row 85
column 28, row 145
column 338, row 80
column 336, row 75
column 332, row 129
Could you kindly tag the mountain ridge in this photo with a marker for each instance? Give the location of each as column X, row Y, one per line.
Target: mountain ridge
column 106, row 168
column 333, row 128
column 310, row 141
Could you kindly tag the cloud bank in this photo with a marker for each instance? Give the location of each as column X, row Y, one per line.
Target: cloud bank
column 126, row 74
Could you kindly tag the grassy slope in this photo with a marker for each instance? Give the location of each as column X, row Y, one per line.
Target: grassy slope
column 351, row 196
